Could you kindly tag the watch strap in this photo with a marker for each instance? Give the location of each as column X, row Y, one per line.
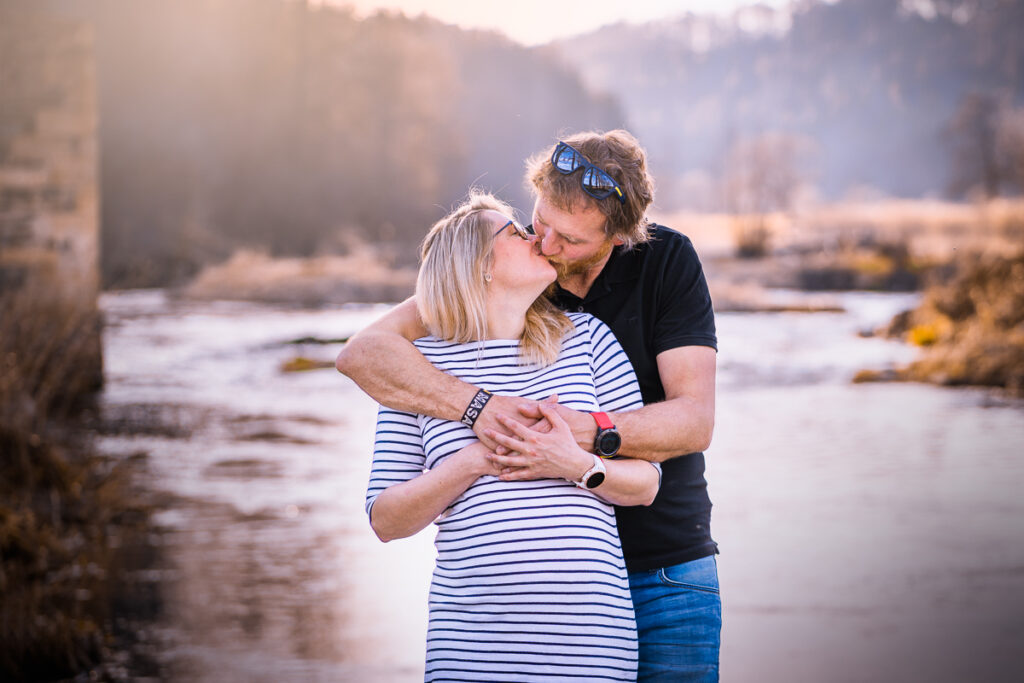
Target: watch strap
column 598, row 466
column 603, row 421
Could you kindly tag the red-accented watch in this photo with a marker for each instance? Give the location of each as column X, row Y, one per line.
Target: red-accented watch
column 607, row 441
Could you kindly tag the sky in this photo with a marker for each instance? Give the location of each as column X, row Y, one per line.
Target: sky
column 532, row 22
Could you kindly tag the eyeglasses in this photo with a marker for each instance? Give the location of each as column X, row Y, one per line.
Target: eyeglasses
column 595, row 182
column 525, row 233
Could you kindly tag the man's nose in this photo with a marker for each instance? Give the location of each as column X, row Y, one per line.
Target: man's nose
column 546, row 245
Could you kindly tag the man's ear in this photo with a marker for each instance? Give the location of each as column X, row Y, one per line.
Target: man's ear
column 618, row 241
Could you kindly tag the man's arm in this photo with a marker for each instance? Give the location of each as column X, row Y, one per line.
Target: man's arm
column 382, row 360
column 682, row 423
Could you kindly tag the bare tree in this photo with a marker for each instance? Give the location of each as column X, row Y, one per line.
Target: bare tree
column 972, row 134
column 1010, row 146
column 762, row 175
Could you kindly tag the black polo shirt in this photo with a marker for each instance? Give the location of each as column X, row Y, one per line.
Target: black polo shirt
column 654, row 298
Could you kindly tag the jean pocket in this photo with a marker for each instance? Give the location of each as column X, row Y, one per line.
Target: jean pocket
column 700, row 575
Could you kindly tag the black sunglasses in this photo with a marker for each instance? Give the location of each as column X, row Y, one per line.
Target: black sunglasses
column 522, row 232
column 594, row 181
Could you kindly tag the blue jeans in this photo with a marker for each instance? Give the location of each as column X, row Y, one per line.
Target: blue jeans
column 679, row 621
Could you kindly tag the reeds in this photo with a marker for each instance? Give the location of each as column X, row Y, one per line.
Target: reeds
column 64, row 510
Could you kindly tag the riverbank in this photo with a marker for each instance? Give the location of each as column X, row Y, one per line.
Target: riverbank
column 75, row 535
column 966, row 260
column 970, row 329
column 885, row 245
column 360, row 276
column 75, row 529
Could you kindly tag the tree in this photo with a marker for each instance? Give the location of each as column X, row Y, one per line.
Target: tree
column 762, row 175
column 972, row 135
column 1010, row 146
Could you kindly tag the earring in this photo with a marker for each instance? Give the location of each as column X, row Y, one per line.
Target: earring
column 487, row 277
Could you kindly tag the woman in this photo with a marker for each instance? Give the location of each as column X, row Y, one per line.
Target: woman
column 529, row 584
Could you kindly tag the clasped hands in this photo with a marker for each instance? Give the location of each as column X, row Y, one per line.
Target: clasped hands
column 548, row 446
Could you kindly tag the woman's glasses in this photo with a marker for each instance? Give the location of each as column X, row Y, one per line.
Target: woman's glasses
column 525, row 233
column 595, row 182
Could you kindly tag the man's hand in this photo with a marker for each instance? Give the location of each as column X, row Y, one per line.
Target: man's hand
column 498, row 407
column 540, row 455
column 522, row 410
column 582, row 425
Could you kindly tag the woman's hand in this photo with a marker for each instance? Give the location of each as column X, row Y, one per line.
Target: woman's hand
column 476, row 458
column 556, row 455
column 552, row 454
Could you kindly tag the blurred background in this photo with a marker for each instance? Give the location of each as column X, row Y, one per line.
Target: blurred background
column 201, row 200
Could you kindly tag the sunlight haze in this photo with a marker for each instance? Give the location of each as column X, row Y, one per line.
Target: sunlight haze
column 533, row 22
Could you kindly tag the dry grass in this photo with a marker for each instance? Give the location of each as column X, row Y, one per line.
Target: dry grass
column 971, row 329
column 931, row 229
column 50, row 356
column 891, row 245
column 361, row 276
column 62, row 508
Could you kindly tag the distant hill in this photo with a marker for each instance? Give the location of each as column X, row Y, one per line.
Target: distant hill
column 291, row 127
column 869, row 85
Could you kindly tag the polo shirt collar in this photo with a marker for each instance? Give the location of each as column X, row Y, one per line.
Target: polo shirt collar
column 622, row 266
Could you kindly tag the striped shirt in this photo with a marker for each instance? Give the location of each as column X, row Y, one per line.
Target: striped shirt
column 530, row 584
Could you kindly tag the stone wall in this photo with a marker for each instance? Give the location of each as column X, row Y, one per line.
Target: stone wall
column 49, row 172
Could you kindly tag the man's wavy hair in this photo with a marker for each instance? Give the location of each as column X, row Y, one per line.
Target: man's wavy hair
column 451, row 293
column 619, row 155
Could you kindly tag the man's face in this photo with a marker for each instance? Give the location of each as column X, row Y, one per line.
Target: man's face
column 573, row 242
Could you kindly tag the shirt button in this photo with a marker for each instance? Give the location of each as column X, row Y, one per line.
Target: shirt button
column 579, row 309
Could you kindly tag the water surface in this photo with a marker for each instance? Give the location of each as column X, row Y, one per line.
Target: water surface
column 868, row 532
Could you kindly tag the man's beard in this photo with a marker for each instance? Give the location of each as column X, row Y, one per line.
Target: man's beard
column 570, row 269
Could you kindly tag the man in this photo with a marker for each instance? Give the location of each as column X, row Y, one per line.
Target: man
column 646, row 283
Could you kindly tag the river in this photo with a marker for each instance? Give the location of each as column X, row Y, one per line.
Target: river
column 868, row 531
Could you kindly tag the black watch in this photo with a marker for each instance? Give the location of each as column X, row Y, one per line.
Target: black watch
column 607, row 441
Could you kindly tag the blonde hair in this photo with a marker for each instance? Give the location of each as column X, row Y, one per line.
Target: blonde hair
column 618, row 154
column 451, row 293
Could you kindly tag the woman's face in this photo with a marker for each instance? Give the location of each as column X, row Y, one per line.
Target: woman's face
column 516, row 260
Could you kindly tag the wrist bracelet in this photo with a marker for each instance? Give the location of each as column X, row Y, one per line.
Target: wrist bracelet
column 475, row 407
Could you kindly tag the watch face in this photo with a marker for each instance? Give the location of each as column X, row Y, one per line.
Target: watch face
column 595, row 480
column 609, row 443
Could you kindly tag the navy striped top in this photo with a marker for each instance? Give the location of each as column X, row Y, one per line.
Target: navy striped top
column 530, row 584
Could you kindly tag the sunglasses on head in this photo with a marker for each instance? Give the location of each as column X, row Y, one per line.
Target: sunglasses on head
column 524, row 233
column 595, row 182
